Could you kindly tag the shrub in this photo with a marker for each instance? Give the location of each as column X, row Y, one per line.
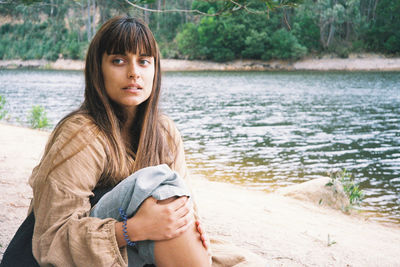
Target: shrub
column 38, row 118
column 3, row 112
column 358, row 46
column 257, row 43
column 188, row 41
column 342, row 51
column 305, row 26
column 350, row 187
column 285, row 46
column 392, row 44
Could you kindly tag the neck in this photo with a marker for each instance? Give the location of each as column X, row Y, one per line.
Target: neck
column 130, row 115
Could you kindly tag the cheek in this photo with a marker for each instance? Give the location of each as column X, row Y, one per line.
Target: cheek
column 110, row 79
column 104, row 74
column 106, row 84
column 150, row 78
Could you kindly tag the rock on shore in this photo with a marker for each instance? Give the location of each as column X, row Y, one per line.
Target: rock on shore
column 283, row 230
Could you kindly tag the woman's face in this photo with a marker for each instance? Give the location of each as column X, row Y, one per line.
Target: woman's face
column 128, row 78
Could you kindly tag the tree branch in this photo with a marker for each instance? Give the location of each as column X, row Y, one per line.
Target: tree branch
column 173, row 10
column 237, row 7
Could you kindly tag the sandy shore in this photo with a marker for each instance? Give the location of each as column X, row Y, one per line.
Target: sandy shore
column 285, row 231
column 355, row 62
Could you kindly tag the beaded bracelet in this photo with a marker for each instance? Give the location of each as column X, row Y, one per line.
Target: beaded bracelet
column 124, row 230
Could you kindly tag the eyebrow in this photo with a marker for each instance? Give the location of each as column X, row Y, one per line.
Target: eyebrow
column 124, row 54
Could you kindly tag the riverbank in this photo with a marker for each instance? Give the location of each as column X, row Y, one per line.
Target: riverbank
column 284, row 231
column 355, row 62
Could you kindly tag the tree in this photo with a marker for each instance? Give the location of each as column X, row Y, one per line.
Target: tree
column 384, row 33
column 306, row 27
column 285, row 46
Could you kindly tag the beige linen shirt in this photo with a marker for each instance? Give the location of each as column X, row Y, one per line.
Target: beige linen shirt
column 62, row 183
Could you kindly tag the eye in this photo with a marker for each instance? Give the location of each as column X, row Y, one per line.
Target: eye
column 144, row 61
column 117, row 61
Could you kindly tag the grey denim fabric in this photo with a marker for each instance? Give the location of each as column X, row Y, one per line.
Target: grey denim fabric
column 159, row 182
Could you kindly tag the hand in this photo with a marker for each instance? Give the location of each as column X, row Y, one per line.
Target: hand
column 160, row 220
column 203, row 237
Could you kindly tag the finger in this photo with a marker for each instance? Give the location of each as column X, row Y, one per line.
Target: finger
column 205, row 245
column 202, row 238
column 178, row 203
column 184, row 227
column 200, row 229
column 184, row 210
column 187, row 219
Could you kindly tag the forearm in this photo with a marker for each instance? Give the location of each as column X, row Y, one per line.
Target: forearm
column 133, row 230
column 119, row 235
column 76, row 241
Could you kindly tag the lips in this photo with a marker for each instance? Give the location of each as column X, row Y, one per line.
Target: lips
column 133, row 86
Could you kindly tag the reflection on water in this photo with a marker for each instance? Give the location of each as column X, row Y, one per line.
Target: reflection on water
column 263, row 129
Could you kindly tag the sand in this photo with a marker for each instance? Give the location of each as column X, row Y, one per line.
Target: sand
column 285, row 231
column 355, row 62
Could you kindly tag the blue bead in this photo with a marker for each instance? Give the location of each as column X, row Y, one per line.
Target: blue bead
column 124, row 229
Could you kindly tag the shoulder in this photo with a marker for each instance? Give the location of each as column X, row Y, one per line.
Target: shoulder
column 78, row 127
column 77, row 124
column 76, row 134
column 75, row 153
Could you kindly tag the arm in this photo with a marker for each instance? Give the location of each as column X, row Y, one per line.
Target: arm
column 64, row 235
column 157, row 221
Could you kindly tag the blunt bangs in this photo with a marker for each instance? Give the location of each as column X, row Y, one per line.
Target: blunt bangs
column 128, row 36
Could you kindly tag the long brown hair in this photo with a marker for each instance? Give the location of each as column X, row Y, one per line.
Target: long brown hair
column 150, row 144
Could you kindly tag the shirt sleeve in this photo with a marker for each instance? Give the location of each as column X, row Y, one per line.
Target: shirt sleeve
column 64, row 234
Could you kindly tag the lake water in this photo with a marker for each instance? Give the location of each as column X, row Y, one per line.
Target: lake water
column 262, row 129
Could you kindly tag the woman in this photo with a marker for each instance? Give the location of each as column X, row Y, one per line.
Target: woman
column 118, row 130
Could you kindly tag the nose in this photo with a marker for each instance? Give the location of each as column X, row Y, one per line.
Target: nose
column 132, row 71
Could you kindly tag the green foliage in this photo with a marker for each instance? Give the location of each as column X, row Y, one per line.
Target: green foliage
column 305, row 27
column 215, row 39
column 384, row 33
column 3, row 111
column 330, row 241
column 29, row 2
column 211, row 39
column 242, row 35
column 392, row 45
column 188, row 41
column 44, row 29
column 38, row 118
column 350, row 187
column 285, row 46
column 257, row 45
column 342, row 51
column 37, row 41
